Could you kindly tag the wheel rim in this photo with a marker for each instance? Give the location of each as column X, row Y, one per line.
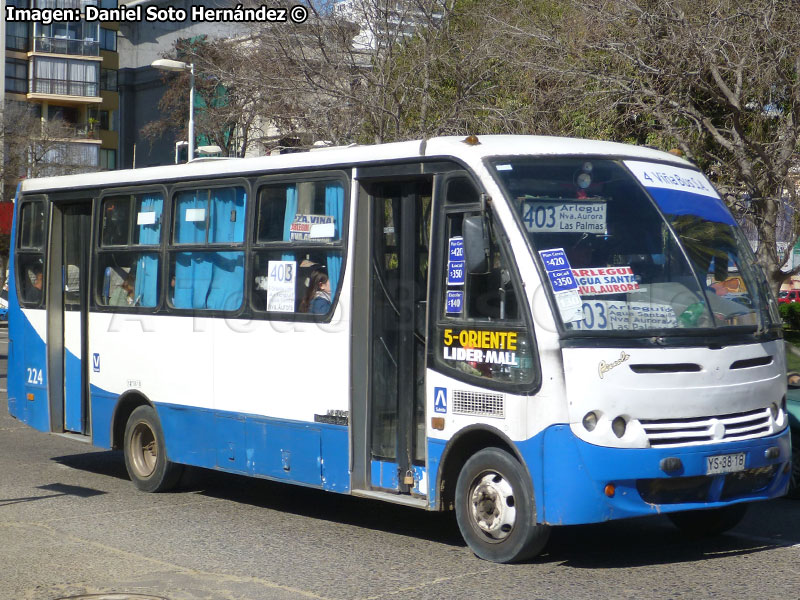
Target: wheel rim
column 143, row 450
column 492, row 506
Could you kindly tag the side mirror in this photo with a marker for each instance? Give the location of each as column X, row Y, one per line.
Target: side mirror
column 476, row 244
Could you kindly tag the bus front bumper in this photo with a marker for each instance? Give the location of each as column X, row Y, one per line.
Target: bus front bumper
column 583, row 483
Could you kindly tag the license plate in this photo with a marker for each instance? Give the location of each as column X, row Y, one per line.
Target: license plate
column 725, row 463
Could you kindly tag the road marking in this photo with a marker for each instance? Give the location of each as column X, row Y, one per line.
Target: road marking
column 770, row 541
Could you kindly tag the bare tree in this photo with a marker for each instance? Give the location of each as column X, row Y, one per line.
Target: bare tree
column 33, row 148
column 720, row 79
column 36, row 147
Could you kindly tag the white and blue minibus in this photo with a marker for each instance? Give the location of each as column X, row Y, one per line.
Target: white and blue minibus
column 528, row 331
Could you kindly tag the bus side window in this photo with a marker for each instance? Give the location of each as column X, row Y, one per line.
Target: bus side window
column 127, row 265
column 298, row 240
column 202, row 279
column 29, row 256
column 481, row 331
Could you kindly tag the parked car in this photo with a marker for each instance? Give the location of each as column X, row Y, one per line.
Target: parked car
column 788, row 296
column 3, row 305
column 793, row 408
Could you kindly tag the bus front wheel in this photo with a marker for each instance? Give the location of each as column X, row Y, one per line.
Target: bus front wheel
column 145, row 453
column 709, row 521
column 495, row 508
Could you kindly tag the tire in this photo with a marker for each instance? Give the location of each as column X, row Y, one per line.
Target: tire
column 709, row 522
column 794, row 480
column 495, row 508
column 146, row 453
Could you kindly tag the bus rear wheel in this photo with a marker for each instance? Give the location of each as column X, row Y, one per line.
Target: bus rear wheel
column 495, row 508
column 710, row 521
column 146, row 453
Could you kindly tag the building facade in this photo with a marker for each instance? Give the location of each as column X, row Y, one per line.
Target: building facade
column 61, row 90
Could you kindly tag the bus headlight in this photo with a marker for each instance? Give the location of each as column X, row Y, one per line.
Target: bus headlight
column 618, row 426
column 774, row 411
column 590, row 421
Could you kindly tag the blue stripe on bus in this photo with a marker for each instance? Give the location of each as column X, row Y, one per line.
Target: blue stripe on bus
column 580, row 497
column 27, row 365
column 313, row 454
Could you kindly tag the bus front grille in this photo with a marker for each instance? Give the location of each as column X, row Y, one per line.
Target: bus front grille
column 682, row 490
column 663, row 433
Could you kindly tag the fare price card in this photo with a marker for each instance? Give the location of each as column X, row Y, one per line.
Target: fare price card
column 456, row 265
column 563, row 282
column 454, row 303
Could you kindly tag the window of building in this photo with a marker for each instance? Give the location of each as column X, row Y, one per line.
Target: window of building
column 108, row 39
column 108, row 80
column 68, row 114
column 16, row 76
column 68, row 155
column 17, row 36
column 67, row 37
column 65, row 77
column 108, row 159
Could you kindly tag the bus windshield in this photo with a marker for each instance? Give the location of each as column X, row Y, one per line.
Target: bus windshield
column 632, row 245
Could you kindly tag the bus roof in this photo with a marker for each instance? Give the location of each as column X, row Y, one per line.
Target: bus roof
column 439, row 147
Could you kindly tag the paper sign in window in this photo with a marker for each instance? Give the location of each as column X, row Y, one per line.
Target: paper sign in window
column 146, row 218
column 547, row 216
column 281, row 276
column 322, row 231
column 195, row 214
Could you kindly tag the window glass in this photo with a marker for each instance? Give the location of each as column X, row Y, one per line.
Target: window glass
column 481, row 332
column 108, row 79
column 304, row 212
column 31, row 227
column 147, row 219
column 116, row 213
column 16, row 76
column 108, row 159
column 213, row 215
column 131, row 220
column 207, row 280
column 108, row 39
column 31, row 278
column 631, row 267
column 128, row 279
column 17, row 36
column 296, row 282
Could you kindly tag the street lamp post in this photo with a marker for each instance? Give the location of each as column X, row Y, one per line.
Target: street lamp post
column 165, row 64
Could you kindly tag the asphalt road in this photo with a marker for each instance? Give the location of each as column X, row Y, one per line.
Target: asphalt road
column 71, row 524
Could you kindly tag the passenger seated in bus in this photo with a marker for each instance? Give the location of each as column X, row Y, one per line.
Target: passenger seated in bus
column 34, row 290
column 122, row 295
column 317, row 299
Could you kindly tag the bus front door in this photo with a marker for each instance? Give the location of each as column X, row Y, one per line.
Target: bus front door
column 391, row 280
column 68, row 313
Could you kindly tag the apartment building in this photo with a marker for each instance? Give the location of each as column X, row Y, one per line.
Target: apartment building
column 62, row 76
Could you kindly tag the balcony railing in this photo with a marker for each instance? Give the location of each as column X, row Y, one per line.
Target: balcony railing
column 63, row 87
column 66, row 46
column 81, row 131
